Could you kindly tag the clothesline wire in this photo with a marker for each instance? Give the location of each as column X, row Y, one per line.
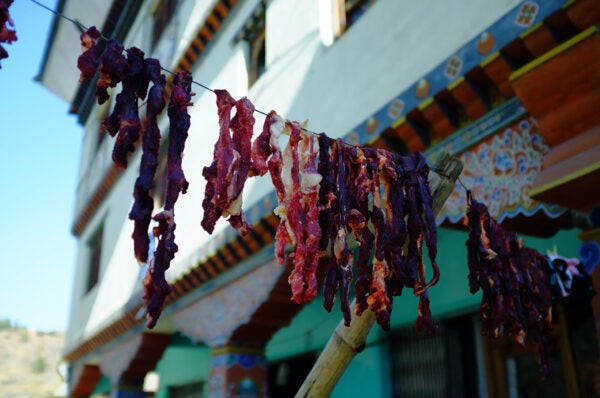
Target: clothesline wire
column 83, row 28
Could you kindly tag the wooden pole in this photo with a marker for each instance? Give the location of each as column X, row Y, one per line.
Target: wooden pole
column 346, row 342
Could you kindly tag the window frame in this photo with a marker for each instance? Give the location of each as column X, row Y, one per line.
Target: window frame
column 94, row 260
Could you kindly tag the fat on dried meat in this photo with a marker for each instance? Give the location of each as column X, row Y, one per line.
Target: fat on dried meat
column 242, row 126
column 156, row 288
column 309, row 188
column 280, row 168
column 516, row 300
column 303, row 214
column 264, row 146
column 7, row 35
column 89, row 60
column 143, row 205
column 231, row 165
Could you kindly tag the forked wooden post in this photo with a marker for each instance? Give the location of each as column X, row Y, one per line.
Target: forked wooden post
column 346, row 342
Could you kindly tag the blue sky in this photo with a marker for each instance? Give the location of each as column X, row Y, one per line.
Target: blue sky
column 39, row 156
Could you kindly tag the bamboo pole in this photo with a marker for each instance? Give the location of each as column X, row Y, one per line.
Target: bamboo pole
column 346, row 342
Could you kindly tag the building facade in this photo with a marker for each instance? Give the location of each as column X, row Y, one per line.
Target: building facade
column 510, row 87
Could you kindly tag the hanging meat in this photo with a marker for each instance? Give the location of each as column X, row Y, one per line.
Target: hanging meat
column 143, row 205
column 89, row 61
column 135, row 75
column 516, row 299
column 227, row 174
column 327, row 191
column 7, row 35
column 155, row 284
column 382, row 199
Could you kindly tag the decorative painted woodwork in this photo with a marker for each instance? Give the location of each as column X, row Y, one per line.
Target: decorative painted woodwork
column 561, row 89
column 571, row 173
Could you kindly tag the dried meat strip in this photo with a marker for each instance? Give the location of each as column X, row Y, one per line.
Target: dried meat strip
column 379, row 299
column 156, row 287
column 341, row 252
column 126, row 108
column 179, row 124
column 360, row 171
column 223, row 157
column 331, row 282
column 421, row 227
column 143, row 205
column 402, row 275
column 7, row 35
column 303, row 215
column 89, row 61
column 281, row 167
column 516, row 298
column 242, row 126
column 263, row 148
column 312, row 229
column 155, row 284
column 295, row 213
column 326, row 190
column 112, row 69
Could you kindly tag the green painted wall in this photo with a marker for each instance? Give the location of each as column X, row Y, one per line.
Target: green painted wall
column 311, row 328
column 182, row 364
column 369, row 374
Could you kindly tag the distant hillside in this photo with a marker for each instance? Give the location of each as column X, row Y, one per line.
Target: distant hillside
column 28, row 362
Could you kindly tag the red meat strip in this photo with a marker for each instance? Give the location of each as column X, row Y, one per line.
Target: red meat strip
column 156, row 287
column 303, row 215
column 179, row 124
column 516, row 298
column 342, row 254
column 326, row 190
column 89, row 61
column 7, row 35
column 331, row 196
column 280, row 167
column 263, row 148
column 295, row 214
column 223, row 159
column 312, row 230
column 155, row 284
column 112, row 69
column 379, row 300
column 143, row 205
column 126, row 109
column 358, row 221
column 242, row 126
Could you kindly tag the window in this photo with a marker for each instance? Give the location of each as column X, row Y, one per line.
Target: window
column 253, row 33
column 442, row 365
column 191, row 390
column 95, row 253
column 286, row 377
column 336, row 16
column 102, row 113
column 162, row 14
column 354, row 9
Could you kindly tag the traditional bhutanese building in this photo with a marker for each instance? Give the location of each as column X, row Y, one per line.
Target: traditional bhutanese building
column 511, row 88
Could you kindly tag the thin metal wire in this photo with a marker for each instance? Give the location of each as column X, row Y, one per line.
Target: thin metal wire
column 84, row 28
